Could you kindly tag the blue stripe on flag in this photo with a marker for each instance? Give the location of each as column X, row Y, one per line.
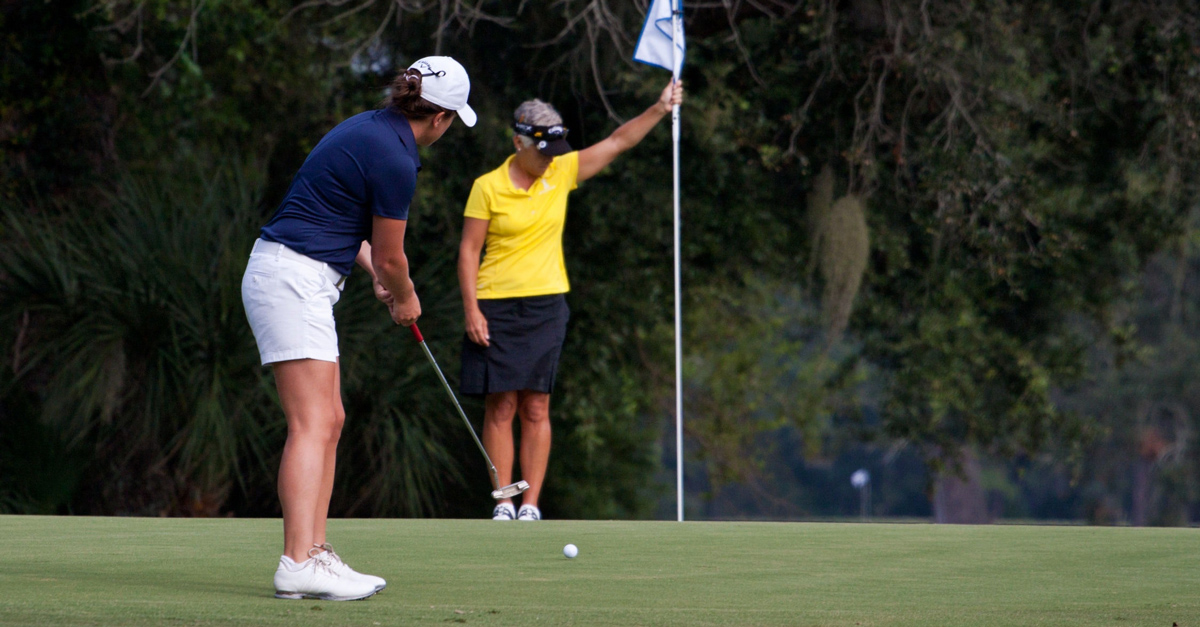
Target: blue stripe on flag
column 654, row 44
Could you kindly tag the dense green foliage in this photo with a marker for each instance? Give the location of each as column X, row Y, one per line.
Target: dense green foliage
column 128, row 319
column 996, row 177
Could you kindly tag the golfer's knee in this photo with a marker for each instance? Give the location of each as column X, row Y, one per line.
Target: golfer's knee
column 501, row 408
column 339, row 420
column 323, row 429
column 535, row 412
column 534, row 407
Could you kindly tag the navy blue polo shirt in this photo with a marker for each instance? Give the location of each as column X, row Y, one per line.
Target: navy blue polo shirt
column 366, row 166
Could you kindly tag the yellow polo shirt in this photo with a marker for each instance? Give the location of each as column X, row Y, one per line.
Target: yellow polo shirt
column 523, row 253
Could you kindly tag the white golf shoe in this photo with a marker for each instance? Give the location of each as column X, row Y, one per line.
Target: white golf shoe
column 316, row 578
column 529, row 512
column 504, row 511
column 343, row 569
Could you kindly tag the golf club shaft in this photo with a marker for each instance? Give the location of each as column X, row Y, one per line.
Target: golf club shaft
column 491, row 467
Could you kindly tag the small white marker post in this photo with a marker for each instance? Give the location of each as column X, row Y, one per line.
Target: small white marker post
column 861, row 480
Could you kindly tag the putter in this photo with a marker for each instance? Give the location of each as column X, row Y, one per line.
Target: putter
column 506, row 492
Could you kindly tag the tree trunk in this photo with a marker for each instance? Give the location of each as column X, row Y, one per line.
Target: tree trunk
column 959, row 499
column 1151, row 445
column 1139, row 514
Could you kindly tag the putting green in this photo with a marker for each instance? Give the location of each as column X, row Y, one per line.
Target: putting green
column 146, row 571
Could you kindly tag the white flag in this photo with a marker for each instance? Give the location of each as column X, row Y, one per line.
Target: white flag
column 654, row 46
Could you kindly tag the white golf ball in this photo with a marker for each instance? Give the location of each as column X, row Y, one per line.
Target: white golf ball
column 570, row 550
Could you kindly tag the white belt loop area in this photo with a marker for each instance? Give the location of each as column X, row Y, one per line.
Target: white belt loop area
column 263, row 247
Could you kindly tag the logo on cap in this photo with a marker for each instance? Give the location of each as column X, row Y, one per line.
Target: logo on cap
column 446, row 85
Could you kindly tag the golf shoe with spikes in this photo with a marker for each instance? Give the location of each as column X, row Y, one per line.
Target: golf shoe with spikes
column 344, row 569
column 316, row 578
column 504, row 511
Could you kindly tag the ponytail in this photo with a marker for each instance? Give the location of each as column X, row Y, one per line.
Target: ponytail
column 406, row 98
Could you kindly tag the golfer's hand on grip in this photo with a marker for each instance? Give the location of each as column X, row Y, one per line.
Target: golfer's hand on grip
column 383, row 294
column 405, row 312
column 477, row 327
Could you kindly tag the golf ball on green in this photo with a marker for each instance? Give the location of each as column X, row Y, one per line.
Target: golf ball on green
column 570, row 550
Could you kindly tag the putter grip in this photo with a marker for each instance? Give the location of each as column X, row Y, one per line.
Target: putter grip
column 416, row 332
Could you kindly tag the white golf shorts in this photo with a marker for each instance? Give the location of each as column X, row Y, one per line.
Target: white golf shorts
column 289, row 301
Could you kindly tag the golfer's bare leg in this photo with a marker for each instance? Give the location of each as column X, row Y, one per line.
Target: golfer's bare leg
column 306, row 391
column 535, row 442
column 339, row 414
column 499, row 409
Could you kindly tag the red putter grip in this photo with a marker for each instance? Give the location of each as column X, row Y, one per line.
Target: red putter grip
column 416, row 332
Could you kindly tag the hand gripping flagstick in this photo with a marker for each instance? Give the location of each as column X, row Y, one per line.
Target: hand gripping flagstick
column 506, row 492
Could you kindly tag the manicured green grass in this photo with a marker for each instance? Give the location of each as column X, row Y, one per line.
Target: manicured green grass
column 138, row 571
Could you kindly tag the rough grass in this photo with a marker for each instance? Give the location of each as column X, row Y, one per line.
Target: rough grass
column 145, row 571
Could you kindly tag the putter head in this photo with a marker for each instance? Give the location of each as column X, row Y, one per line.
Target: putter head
column 509, row 491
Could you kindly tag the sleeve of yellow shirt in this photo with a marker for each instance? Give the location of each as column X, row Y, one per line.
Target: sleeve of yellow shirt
column 571, row 172
column 477, row 203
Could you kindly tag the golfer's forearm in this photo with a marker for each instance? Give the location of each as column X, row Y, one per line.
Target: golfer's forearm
column 468, row 277
column 363, row 259
column 392, row 273
column 632, row 132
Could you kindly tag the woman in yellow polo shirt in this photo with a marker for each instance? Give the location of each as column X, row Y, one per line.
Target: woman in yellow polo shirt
column 514, row 301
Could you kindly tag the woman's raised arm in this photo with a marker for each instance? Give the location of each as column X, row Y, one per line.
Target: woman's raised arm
column 595, row 157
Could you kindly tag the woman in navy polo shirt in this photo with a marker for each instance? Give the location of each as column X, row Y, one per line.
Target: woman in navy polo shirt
column 347, row 204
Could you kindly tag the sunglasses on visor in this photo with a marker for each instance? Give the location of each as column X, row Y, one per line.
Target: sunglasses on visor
column 557, row 131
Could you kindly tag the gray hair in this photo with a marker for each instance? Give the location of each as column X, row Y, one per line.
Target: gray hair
column 537, row 113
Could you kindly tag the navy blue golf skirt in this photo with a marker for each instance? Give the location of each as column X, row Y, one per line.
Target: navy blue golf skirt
column 526, row 337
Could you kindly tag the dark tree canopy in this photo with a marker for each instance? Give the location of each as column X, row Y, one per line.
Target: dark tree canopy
column 907, row 225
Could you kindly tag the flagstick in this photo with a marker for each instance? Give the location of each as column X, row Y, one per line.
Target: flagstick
column 676, row 27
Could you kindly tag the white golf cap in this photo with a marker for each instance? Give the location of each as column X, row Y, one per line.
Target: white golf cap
column 444, row 82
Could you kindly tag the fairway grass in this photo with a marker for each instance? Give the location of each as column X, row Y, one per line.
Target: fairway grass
column 154, row 571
